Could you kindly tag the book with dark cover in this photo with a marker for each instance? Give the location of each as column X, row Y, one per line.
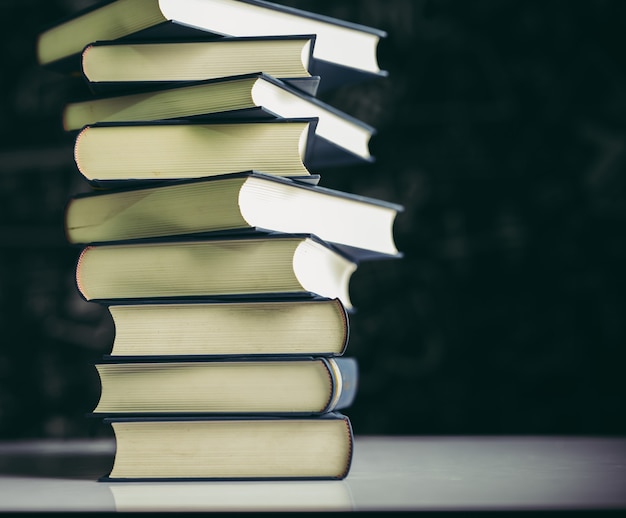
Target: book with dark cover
column 285, row 386
column 264, row 328
column 235, row 268
column 243, row 201
column 110, row 155
column 246, row 448
column 120, row 66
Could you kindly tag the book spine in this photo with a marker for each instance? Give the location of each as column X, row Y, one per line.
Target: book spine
column 344, row 374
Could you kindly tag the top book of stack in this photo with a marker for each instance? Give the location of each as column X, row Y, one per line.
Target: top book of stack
column 343, row 52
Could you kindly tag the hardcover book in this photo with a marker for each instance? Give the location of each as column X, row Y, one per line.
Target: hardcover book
column 120, row 65
column 313, row 327
column 234, row 203
column 108, row 154
column 235, row 267
column 247, row 448
column 280, row 386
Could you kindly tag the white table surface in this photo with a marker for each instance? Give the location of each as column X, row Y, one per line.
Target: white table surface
column 388, row 474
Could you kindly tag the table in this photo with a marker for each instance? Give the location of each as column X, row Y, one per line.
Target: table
column 490, row 473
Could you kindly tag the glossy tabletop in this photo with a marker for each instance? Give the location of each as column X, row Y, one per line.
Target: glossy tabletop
column 388, row 474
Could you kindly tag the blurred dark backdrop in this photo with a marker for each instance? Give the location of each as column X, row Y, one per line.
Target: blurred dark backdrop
column 501, row 129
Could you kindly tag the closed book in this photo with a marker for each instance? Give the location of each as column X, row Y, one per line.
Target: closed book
column 233, row 202
column 264, row 448
column 339, row 138
column 277, row 386
column 234, row 267
column 121, row 65
column 108, row 154
column 344, row 52
column 314, row 327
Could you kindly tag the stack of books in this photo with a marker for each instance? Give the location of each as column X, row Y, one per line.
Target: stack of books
column 223, row 262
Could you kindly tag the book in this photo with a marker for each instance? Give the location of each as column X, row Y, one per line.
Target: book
column 344, row 52
column 279, row 386
column 313, row 327
column 236, row 202
column 231, row 449
column 169, row 150
column 234, row 267
column 339, row 138
column 120, row 65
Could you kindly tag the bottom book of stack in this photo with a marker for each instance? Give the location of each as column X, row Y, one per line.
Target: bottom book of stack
column 236, row 448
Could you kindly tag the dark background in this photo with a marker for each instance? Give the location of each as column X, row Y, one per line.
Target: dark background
column 501, row 129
